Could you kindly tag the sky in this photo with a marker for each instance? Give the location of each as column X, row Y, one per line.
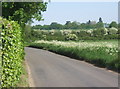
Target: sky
column 61, row 12
column 82, row 0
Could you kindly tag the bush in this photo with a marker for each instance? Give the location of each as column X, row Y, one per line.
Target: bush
column 113, row 30
column 83, row 33
column 12, row 52
column 100, row 32
column 52, row 32
column 44, row 37
column 90, row 32
column 72, row 37
column 66, row 32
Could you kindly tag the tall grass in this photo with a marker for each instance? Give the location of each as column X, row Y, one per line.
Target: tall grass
column 103, row 54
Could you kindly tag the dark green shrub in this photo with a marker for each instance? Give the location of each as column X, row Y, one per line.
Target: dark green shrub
column 12, row 52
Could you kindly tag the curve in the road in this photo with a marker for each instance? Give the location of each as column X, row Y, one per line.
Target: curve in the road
column 52, row 70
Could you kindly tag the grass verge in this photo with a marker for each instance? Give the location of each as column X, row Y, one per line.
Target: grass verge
column 23, row 82
column 96, row 56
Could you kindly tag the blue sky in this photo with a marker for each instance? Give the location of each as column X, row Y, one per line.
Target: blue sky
column 79, row 11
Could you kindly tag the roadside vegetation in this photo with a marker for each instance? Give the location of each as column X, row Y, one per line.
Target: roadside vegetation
column 98, row 46
column 93, row 42
column 14, row 18
column 12, row 52
column 100, row 53
column 24, row 81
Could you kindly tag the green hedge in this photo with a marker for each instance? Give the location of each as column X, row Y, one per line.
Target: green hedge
column 12, row 52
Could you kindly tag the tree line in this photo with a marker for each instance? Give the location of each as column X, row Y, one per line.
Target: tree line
column 77, row 25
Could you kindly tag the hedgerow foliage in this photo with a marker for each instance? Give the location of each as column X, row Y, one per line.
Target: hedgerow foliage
column 12, row 52
column 71, row 37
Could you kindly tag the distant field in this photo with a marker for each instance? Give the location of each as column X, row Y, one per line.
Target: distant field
column 76, row 35
column 101, row 53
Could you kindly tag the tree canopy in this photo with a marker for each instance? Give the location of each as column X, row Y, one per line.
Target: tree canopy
column 23, row 12
column 113, row 24
column 73, row 25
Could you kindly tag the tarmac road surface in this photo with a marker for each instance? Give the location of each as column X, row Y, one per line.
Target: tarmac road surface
column 52, row 70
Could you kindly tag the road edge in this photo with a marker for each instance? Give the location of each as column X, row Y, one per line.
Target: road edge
column 30, row 79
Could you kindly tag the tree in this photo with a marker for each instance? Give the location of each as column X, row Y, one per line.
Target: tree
column 89, row 22
column 68, row 25
column 27, row 33
column 74, row 25
column 82, row 26
column 100, row 23
column 23, row 12
column 55, row 25
column 37, row 27
column 100, row 20
column 46, row 27
column 113, row 24
column 67, row 22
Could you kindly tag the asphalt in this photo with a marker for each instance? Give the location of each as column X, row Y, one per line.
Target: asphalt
column 52, row 70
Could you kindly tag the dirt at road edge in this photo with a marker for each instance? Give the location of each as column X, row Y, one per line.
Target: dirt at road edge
column 31, row 82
